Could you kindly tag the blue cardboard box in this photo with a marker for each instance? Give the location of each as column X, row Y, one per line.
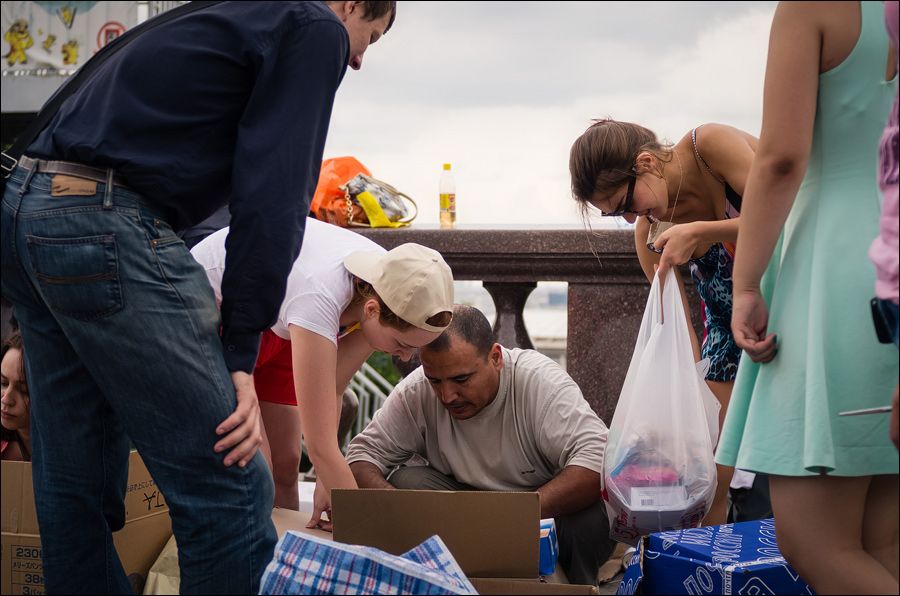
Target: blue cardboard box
column 730, row 559
column 549, row 547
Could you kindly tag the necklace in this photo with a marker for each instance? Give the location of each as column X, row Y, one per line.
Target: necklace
column 658, row 227
column 677, row 192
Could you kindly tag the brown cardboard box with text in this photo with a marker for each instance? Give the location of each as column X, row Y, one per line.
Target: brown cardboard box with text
column 147, row 528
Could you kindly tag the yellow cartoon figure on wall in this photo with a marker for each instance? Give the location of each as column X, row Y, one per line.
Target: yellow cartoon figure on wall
column 19, row 40
column 49, row 43
column 70, row 52
column 67, row 15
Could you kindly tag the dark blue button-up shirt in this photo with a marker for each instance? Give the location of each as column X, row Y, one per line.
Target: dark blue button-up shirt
column 229, row 104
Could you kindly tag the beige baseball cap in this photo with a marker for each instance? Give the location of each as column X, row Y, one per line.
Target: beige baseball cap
column 414, row 281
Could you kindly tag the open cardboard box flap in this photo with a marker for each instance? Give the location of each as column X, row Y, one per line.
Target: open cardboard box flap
column 527, row 583
column 491, row 534
column 17, row 514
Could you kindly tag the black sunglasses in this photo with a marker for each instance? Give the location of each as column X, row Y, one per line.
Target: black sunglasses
column 624, row 207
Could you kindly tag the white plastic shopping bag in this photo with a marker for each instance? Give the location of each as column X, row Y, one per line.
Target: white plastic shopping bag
column 659, row 473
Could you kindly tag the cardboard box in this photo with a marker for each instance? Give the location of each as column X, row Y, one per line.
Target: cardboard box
column 288, row 519
column 147, row 528
column 491, row 534
column 285, row 519
column 494, row 536
column 738, row 558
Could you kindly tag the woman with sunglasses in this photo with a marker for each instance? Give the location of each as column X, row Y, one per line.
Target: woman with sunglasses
column 623, row 170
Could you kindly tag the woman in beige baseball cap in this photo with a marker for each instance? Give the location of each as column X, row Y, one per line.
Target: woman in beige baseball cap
column 346, row 298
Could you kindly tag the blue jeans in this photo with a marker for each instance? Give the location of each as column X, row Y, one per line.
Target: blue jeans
column 120, row 328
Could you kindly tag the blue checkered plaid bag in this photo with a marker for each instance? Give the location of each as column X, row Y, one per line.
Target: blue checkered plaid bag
column 305, row 564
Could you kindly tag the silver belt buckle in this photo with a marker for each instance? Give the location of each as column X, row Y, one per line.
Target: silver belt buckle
column 8, row 164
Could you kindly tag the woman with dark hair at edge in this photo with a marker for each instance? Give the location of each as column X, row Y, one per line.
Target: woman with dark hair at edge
column 15, row 403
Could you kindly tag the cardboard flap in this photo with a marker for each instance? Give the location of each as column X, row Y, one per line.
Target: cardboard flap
column 288, row 519
column 491, row 534
column 11, row 497
column 142, row 496
column 19, row 515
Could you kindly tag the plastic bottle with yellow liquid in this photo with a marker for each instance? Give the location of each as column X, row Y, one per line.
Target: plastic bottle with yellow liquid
column 447, row 190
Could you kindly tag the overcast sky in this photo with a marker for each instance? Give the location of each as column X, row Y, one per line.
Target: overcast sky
column 502, row 89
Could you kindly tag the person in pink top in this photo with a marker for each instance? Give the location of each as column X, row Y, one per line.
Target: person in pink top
column 885, row 250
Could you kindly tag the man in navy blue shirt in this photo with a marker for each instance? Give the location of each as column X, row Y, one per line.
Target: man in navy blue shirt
column 227, row 104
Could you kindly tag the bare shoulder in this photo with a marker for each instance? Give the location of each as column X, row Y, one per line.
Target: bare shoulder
column 835, row 26
column 714, row 138
column 816, row 13
column 806, row 13
column 795, row 21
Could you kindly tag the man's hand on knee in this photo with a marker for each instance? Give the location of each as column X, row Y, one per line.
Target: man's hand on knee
column 241, row 432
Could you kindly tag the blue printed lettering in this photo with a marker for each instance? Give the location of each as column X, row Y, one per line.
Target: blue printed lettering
column 705, row 580
column 690, row 585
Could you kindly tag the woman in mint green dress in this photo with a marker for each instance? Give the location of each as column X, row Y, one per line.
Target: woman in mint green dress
column 810, row 210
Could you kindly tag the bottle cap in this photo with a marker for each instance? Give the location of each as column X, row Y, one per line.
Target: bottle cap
column 446, row 166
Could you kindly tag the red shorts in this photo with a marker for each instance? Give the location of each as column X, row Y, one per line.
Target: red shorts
column 274, row 373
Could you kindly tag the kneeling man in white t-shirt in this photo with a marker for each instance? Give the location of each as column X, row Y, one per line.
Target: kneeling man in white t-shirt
column 488, row 418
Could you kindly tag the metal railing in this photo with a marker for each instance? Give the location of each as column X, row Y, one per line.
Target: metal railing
column 371, row 390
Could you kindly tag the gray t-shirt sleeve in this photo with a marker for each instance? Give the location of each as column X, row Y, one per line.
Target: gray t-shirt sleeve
column 568, row 431
column 393, row 435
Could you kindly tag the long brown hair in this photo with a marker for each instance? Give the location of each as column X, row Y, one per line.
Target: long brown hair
column 602, row 158
column 14, row 342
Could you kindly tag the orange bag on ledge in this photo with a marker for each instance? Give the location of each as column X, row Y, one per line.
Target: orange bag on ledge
column 348, row 196
column 329, row 203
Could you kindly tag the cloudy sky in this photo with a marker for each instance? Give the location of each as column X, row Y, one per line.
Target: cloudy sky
column 502, row 89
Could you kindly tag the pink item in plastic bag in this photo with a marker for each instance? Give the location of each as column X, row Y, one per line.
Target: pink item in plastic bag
column 638, row 475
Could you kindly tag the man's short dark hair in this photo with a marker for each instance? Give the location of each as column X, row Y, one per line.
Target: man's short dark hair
column 375, row 9
column 470, row 325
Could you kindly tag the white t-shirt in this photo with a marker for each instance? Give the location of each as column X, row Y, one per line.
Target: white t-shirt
column 538, row 424
column 319, row 288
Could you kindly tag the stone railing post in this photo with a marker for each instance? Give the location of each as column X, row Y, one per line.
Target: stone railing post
column 603, row 325
column 509, row 299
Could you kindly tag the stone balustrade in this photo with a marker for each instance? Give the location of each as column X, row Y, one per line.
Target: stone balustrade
column 606, row 297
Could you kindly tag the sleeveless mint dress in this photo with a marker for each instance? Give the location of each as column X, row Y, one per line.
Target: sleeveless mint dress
column 783, row 416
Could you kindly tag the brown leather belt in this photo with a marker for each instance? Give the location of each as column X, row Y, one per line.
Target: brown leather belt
column 70, row 169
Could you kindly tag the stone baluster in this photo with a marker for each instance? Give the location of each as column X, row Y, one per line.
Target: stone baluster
column 509, row 300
